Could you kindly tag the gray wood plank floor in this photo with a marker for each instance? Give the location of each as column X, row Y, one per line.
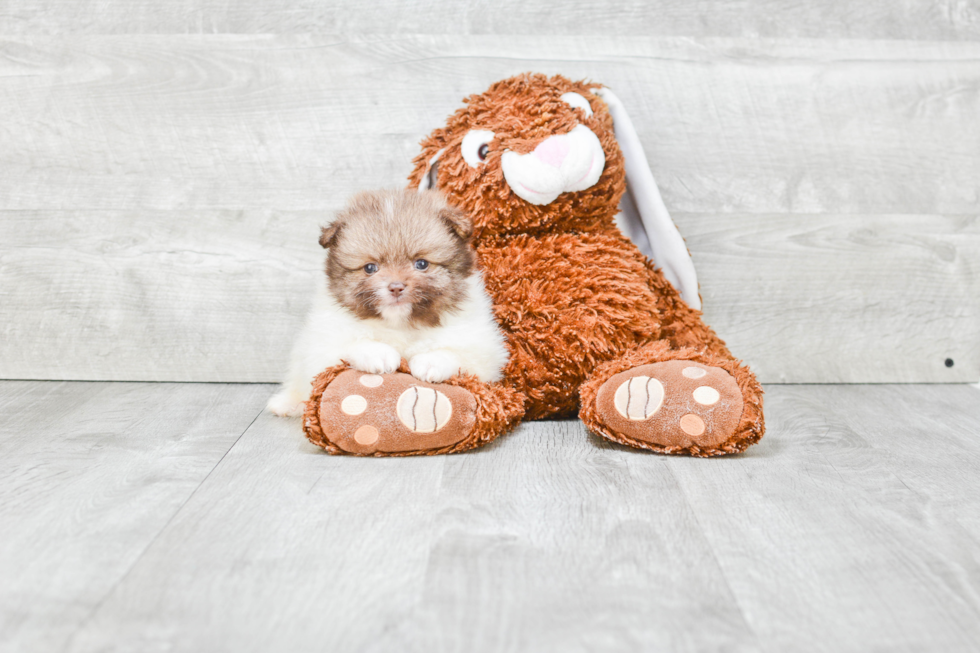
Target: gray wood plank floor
column 178, row 517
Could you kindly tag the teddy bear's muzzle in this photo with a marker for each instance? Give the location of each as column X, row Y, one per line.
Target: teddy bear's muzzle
column 559, row 164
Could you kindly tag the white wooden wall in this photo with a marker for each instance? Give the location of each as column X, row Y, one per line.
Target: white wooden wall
column 166, row 167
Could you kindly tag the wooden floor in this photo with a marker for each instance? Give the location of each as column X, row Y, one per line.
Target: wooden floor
column 179, row 517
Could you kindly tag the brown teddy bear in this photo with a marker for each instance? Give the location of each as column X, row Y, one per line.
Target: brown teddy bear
column 595, row 327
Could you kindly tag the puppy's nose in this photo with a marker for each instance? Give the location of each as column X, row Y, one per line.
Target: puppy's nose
column 396, row 288
column 552, row 151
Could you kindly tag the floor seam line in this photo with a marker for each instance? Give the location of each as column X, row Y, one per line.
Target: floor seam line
column 149, row 544
column 714, row 556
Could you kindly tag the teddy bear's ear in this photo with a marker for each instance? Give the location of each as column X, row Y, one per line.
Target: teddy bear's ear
column 431, row 174
column 644, row 217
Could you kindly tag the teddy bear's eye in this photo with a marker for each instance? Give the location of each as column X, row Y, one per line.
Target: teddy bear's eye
column 476, row 146
column 576, row 101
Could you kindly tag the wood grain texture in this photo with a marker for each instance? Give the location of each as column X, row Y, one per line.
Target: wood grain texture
column 843, row 528
column 299, row 122
column 908, row 19
column 850, row 527
column 801, row 298
column 339, row 546
column 219, row 297
column 932, row 447
column 162, row 193
column 843, row 298
column 89, row 475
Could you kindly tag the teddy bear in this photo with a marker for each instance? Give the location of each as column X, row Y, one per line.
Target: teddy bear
column 591, row 283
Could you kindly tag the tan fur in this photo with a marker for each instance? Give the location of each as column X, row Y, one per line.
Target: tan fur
column 393, row 230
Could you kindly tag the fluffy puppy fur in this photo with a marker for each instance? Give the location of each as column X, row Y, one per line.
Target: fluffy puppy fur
column 401, row 282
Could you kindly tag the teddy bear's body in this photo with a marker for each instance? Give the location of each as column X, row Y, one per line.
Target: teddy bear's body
column 594, row 326
column 569, row 302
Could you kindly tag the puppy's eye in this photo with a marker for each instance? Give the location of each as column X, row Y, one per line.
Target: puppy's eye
column 371, row 268
column 476, row 146
column 421, row 264
column 576, row 101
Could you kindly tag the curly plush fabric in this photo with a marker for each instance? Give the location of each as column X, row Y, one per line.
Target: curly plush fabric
column 578, row 302
column 521, row 112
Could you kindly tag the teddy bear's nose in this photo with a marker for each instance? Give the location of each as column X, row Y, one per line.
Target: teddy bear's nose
column 552, row 151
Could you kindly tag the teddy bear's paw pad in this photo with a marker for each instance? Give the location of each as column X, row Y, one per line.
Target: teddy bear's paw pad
column 672, row 404
column 424, row 410
column 639, row 398
column 394, row 413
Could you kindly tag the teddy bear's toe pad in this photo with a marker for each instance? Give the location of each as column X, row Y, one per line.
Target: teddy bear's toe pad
column 672, row 404
column 394, row 413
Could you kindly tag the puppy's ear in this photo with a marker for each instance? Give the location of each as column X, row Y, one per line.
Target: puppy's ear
column 328, row 234
column 458, row 221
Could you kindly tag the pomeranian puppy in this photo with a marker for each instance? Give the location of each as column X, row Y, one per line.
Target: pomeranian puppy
column 401, row 282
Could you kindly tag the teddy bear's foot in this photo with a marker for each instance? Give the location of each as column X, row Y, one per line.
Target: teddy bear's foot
column 396, row 414
column 673, row 406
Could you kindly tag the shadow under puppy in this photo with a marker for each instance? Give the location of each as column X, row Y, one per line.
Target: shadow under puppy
column 401, row 282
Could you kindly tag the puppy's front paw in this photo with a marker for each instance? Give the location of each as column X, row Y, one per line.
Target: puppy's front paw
column 434, row 366
column 287, row 404
column 373, row 357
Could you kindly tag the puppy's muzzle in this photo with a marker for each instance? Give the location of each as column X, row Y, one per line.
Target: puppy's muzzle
column 396, row 288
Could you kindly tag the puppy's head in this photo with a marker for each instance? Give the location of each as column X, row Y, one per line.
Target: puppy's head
column 400, row 256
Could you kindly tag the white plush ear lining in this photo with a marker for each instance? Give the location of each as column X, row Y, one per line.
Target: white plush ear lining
column 643, row 216
column 431, row 176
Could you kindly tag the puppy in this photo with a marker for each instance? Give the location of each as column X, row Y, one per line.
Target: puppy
column 401, row 282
